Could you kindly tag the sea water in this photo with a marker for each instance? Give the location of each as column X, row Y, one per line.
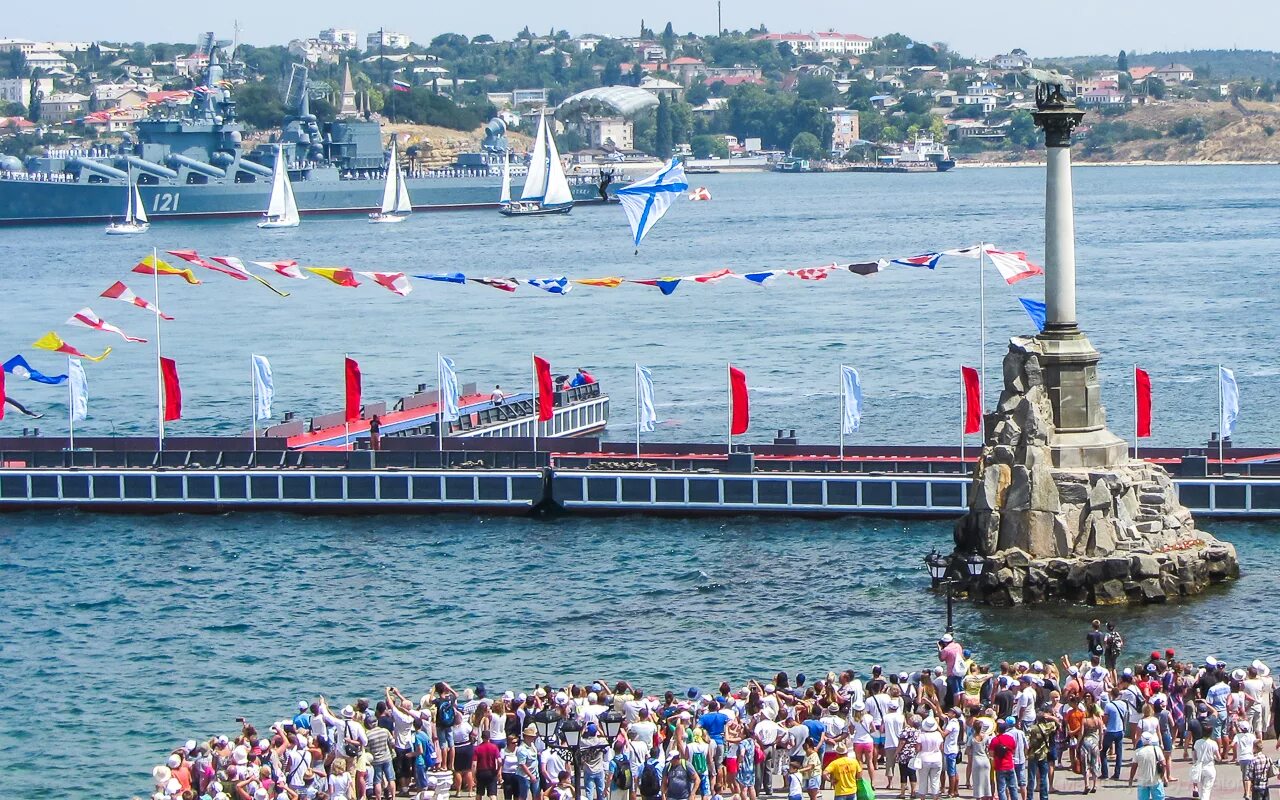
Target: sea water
column 120, row 637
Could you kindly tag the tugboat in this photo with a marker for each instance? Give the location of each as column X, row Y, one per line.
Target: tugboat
column 925, row 155
column 546, row 189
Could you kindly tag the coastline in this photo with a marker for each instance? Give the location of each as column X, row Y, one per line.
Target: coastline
column 1138, row 163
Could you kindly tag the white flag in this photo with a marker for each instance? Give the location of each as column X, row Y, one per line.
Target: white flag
column 263, row 386
column 1230, row 402
column 644, row 399
column 851, row 386
column 79, row 390
column 448, row 389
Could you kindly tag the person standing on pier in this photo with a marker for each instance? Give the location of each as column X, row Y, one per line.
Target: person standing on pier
column 952, row 655
column 1113, row 733
column 1148, row 768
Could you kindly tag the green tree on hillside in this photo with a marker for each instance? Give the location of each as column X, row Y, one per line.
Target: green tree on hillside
column 706, row 146
column 662, row 130
column 697, row 94
column 1122, row 61
column 806, row 145
column 668, row 40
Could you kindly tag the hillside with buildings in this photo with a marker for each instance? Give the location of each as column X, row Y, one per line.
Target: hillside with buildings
column 833, row 95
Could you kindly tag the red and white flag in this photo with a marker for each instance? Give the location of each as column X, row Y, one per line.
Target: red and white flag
column 172, row 389
column 239, row 271
column 712, row 277
column 972, row 384
column 1142, row 403
column 812, row 273
column 1013, row 267
column 192, row 257
column 739, row 402
column 288, row 269
column 118, row 291
column 396, row 282
column 351, row 372
column 87, row 319
column 505, row 284
column 546, row 389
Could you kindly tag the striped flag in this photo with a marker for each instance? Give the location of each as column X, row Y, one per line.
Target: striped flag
column 1013, row 267
column 603, row 283
column 235, row 267
column 342, row 276
column 118, row 291
column 505, row 284
column 154, row 266
column 396, row 282
column 87, row 319
column 51, row 341
column 288, row 269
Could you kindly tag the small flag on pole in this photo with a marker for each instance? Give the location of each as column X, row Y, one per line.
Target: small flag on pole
column 264, row 387
column 79, row 390
column 739, row 402
column 449, row 400
column 19, row 368
column 648, row 413
column 851, row 385
column 1230, row 413
column 172, row 390
column 546, row 389
column 352, row 404
column 1035, row 309
column 1142, row 402
column 972, row 400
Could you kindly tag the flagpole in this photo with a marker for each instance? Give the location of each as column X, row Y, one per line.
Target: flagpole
column 982, row 320
column 637, row 410
column 1135, row 412
column 840, row 383
column 537, row 392
column 71, row 408
column 253, row 404
column 155, row 280
column 963, row 418
column 439, row 408
column 728, row 375
column 1221, row 470
column 346, row 423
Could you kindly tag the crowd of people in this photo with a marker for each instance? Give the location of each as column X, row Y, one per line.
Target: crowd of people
column 995, row 731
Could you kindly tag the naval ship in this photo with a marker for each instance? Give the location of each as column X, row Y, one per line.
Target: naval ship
column 188, row 162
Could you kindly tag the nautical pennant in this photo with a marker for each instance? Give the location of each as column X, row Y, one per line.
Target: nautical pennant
column 87, row 319
column 396, row 282
column 51, row 341
column 118, row 291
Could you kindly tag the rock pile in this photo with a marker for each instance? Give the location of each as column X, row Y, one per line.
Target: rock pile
column 1103, row 536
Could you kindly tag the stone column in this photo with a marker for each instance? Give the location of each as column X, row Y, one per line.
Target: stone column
column 1070, row 363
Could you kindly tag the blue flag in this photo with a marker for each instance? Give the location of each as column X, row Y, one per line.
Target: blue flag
column 19, row 368
column 645, row 201
column 552, row 285
column 444, row 277
column 1035, row 310
column 851, row 388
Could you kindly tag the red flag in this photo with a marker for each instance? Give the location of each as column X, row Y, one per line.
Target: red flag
column 972, row 400
column 353, row 390
column 172, row 390
column 739, row 404
column 546, row 389
column 1142, row 401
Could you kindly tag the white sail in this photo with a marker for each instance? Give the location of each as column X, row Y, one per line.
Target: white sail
column 290, row 204
column 535, row 183
column 505, row 199
column 389, row 185
column 557, row 193
column 138, row 211
column 279, row 180
column 403, row 205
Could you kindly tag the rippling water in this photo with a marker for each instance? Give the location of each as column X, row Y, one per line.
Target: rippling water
column 120, row 636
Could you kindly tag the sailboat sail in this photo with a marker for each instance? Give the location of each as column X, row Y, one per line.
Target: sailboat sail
column 389, row 186
column 279, row 182
column 138, row 213
column 535, row 184
column 403, row 205
column 290, row 204
column 505, row 199
column 558, row 193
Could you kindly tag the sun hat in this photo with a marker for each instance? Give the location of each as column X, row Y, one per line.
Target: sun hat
column 174, row 761
column 1037, row 666
column 172, row 786
column 529, row 730
column 692, row 693
column 1210, row 661
column 1263, row 669
column 539, row 692
column 947, row 638
column 858, row 705
column 348, row 712
column 161, row 774
column 302, row 705
column 1238, row 674
column 929, row 725
column 562, row 699
column 833, row 708
column 842, row 748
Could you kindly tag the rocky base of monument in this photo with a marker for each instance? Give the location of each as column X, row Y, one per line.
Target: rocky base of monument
column 1103, row 536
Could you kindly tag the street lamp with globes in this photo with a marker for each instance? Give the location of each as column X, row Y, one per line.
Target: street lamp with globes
column 938, row 566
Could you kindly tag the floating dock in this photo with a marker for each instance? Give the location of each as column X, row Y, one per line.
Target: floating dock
column 506, row 475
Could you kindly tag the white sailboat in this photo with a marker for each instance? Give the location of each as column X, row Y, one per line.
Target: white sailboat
column 395, row 193
column 135, row 215
column 282, row 209
column 546, row 189
column 505, row 199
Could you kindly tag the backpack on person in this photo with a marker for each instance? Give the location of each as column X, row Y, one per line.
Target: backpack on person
column 621, row 772
column 650, row 780
column 1114, row 643
column 446, row 712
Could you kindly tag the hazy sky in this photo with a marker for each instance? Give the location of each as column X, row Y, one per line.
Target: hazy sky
column 977, row 28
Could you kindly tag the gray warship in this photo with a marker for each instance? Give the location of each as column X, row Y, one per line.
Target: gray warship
column 188, row 161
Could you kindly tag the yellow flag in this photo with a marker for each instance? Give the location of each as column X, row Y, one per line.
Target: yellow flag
column 607, row 283
column 51, row 341
column 343, row 276
column 154, row 266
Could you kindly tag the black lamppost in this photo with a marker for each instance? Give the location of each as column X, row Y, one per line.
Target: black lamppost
column 938, row 565
column 571, row 733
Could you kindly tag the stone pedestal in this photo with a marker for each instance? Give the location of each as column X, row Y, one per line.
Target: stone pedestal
column 1105, row 533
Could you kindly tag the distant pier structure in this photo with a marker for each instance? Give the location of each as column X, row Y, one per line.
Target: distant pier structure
column 1057, row 507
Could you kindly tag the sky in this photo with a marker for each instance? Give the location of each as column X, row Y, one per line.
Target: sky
column 979, row 28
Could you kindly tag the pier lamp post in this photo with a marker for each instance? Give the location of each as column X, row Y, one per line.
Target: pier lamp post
column 938, row 565
column 571, row 732
column 611, row 722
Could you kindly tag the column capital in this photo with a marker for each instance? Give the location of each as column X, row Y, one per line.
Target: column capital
column 1058, row 121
